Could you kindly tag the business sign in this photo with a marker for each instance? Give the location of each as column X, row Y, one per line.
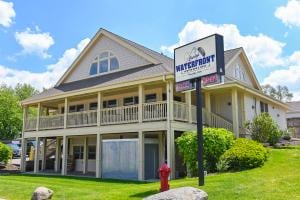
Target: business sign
column 211, row 79
column 199, row 58
column 185, row 86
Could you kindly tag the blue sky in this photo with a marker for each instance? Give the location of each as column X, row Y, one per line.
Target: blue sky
column 39, row 39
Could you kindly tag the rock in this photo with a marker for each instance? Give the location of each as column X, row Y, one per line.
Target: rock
column 42, row 193
column 183, row 193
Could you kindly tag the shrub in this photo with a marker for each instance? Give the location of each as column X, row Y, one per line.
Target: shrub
column 216, row 141
column 5, row 153
column 264, row 129
column 244, row 154
column 287, row 134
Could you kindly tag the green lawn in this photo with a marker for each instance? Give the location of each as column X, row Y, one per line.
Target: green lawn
column 279, row 178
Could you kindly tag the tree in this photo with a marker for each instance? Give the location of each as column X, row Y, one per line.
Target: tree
column 24, row 91
column 279, row 92
column 10, row 114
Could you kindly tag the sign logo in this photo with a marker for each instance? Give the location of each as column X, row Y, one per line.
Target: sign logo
column 199, row 58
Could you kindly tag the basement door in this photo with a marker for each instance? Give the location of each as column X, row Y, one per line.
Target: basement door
column 120, row 159
column 151, row 161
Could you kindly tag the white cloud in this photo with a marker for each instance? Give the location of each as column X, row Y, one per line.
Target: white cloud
column 261, row 49
column 290, row 13
column 45, row 79
column 35, row 42
column 7, row 13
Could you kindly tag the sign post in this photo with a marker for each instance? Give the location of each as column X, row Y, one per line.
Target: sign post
column 201, row 58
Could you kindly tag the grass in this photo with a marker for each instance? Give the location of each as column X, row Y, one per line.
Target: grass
column 279, row 178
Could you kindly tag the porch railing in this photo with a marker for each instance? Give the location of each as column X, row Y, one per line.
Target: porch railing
column 219, row 122
column 119, row 115
column 180, row 111
column 155, row 111
column 84, row 118
column 30, row 124
column 52, row 121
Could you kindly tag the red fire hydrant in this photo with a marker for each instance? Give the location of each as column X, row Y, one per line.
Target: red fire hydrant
column 164, row 172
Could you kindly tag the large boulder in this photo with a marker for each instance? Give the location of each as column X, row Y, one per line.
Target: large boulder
column 183, row 193
column 42, row 193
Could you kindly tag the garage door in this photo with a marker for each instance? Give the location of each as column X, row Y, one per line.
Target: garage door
column 120, row 159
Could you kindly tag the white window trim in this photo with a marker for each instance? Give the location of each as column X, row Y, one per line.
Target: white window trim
column 98, row 60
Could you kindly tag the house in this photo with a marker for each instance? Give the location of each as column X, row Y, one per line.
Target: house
column 293, row 117
column 115, row 113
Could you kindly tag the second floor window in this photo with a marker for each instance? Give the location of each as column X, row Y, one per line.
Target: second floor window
column 150, row 98
column 130, row 101
column 105, row 62
column 110, row 103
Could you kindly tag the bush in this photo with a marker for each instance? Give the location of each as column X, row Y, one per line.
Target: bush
column 244, row 154
column 287, row 134
column 264, row 129
column 5, row 153
column 216, row 141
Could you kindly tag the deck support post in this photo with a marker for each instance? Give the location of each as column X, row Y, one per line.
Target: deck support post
column 36, row 155
column 141, row 156
column 65, row 156
column 141, row 101
column 44, row 152
column 57, row 154
column 99, row 156
column 235, row 112
column 85, row 145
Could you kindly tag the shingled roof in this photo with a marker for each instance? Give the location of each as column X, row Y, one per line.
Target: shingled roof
column 165, row 67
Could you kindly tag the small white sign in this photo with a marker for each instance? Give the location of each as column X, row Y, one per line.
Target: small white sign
column 199, row 58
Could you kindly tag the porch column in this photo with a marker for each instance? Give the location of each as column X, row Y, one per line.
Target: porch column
column 161, row 148
column 65, row 156
column 23, row 156
column 99, row 109
column 24, row 141
column 207, row 107
column 235, row 112
column 170, row 152
column 38, row 117
column 141, row 101
column 66, row 112
column 188, row 100
column 141, row 156
column 169, row 90
column 98, row 156
column 44, row 150
column 36, row 155
column 57, row 155
column 85, row 145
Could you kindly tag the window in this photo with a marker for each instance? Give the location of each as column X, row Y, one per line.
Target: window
column 93, row 106
column 105, row 62
column 239, row 73
column 263, row 107
column 78, row 152
column 110, row 103
column 150, row 98
column 130, row 100
column 76, row 108
column 94, row 69
column 177, row 98
column 92, row 152
column 103, row 66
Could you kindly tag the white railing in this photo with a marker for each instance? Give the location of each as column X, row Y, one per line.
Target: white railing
column 30, row 124
column 51, row 121
column 219, row 122
column 119, row 115
column 180, row 111
column 84, row 118
column 155, row 111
